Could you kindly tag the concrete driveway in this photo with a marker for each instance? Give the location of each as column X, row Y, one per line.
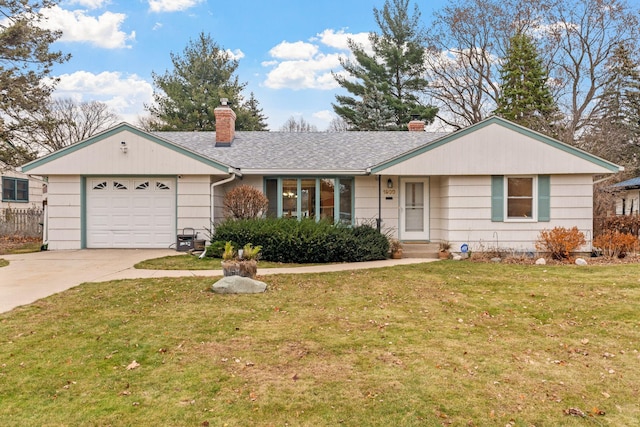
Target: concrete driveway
column 30, row 277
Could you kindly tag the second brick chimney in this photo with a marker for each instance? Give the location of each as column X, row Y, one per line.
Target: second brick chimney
column 416, row 125
column 225, row 124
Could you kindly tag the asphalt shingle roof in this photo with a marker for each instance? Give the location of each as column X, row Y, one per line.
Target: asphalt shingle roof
column 316, row 151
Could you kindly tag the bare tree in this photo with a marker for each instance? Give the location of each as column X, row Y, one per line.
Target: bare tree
column 299, row 125
column 582, row 36
column 63, row 122
column 469, row 38
column 467, row 41
column 338, row 124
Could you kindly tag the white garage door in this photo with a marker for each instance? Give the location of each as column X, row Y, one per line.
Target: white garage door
column 131, row 212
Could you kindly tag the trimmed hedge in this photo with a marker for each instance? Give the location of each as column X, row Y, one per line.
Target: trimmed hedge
column 305, row 241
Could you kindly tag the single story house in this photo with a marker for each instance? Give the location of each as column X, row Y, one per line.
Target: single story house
column 19, row 190
column 493, row 184
column 627, row 196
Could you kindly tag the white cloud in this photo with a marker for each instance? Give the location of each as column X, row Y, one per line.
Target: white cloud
column 324, row 115
column 310, row 74
column 171, row 5
column 102, row 31
column 91, row 4
column 125, row 94
column 339, row 39
column 235, row 54
column 157, row 26
column 296, row 50
column 310, row 65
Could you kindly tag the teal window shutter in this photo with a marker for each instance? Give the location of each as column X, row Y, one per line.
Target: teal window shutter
column 497, row 198
column 544, row 198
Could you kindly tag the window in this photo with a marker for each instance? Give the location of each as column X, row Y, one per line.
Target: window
column 319, row 198
column 15, row 189
column 522, row 198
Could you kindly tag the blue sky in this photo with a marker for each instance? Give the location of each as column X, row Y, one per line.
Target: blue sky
column 287, row 49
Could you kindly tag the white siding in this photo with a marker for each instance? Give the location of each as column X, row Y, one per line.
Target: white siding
column 631, row 202
column 63, row 212
column 494, row 150
column 469, row 213
column 143, row 157
column 194, row 201
column 366, row 204
column 36, row 188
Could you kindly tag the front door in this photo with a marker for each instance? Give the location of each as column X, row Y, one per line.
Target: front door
column 414, row 209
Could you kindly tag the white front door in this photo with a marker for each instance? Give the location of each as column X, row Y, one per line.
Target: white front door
column 130, row 212
column 414, row 209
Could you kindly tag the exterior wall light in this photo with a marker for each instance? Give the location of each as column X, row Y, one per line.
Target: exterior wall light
column 389, row 183
column 123, row 147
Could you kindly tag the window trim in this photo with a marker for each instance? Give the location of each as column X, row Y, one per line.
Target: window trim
column 15, row 180
column 534, row 199
column 541, row 198
column 336, row 207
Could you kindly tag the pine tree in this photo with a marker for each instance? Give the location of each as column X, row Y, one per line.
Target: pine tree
column 393, row 75
column 202, row 75
column 26, row 62
column 616, row 133
column 250, row 116
column 526, row 98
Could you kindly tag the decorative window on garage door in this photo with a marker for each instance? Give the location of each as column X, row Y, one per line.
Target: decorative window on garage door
column 99, row 185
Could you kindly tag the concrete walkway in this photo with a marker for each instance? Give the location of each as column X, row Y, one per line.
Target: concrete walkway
column 32, row 276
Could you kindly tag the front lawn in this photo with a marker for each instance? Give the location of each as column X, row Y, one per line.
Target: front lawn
column 448, row 343
column 191, row 262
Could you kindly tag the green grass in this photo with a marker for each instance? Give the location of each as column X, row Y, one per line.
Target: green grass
column 190, row 262
column 3, row 262
column 448, row 343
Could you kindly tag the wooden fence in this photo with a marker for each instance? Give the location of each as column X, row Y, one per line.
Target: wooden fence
column 21, row 222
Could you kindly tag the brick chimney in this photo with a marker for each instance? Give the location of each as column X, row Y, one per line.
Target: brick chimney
column 416, row 125
column 225, row 124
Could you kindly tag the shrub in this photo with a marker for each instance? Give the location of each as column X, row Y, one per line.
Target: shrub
column 244, row 202
column 216, row 249
column 615, row 244
column 305, row 241
column 628, row 224
column 560, row 241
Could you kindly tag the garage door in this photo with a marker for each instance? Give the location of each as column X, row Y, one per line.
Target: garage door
column 131, row 212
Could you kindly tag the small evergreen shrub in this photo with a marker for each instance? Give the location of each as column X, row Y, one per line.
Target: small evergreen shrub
column 560, row 241
column 305, row 241
column 615, row 244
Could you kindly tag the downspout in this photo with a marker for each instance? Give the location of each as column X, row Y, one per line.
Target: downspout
column 213, row 192
column 379, row 220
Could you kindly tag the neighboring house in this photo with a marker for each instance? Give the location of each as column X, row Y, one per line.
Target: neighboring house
column 627, row 196
column 493, row 184
column 20, row 191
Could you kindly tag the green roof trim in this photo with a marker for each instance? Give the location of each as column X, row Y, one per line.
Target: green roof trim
column 504, row 123
column 114, row 131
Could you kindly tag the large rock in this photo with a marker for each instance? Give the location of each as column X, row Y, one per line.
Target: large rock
column 238, row 285
column 581, row 261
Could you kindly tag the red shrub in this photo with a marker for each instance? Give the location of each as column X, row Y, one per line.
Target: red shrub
column 560, row 241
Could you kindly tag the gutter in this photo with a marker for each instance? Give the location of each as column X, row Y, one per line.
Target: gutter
column 234, row 175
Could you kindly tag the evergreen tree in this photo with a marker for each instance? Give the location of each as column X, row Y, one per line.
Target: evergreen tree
column 616, row 133
column 250, row 116
column 526, row 98
column 26, row 63
column 393, row 75
column 202, row 75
